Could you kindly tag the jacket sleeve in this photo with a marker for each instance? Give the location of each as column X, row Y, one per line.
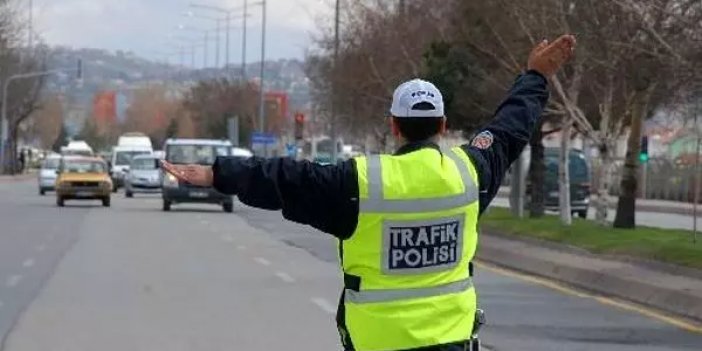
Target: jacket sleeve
column 502, row 140
column 324, row 197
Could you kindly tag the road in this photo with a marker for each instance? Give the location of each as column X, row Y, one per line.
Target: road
column 132, row 277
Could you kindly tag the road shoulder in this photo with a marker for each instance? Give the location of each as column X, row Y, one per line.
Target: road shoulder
column 678, row 292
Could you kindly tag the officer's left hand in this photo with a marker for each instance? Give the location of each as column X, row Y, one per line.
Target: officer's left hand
column 197, row 175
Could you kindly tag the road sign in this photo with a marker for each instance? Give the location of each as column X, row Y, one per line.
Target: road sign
column 263, row 138
column 291, row 149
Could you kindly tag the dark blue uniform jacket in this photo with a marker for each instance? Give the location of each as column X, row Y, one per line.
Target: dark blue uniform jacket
column 326, row 196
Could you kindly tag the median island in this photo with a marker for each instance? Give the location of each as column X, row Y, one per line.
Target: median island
column 664, row 245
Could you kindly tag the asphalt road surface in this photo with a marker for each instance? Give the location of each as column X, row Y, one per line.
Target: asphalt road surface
column 131, row 277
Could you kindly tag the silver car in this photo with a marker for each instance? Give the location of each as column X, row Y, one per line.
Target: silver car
column 143, row 176
column 47, row 174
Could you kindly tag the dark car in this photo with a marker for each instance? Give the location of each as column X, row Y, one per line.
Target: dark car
column 193, row 151
column 579, row 172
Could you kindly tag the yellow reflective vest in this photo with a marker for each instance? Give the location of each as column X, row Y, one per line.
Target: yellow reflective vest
column 406, row 267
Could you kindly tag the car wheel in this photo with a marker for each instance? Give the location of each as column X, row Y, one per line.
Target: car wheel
column 106, row 201
column 128, row 193
column 166, row 205
column 228, row 207
column 114, row 188
column 59, row 201
column 582, row 214
column 42, row 192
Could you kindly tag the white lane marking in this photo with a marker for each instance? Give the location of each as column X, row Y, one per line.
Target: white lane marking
column 324, row 305
column 227, row 238
column 285, row 277
column 262, row 261
column 41, row 248
column 28, row 263
column 241, row 247
column 12, row 281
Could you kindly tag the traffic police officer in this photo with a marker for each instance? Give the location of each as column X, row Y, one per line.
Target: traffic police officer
column 407, row 222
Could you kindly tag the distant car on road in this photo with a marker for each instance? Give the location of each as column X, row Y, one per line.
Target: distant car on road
column 143, row 176
column 83, row 178
column 121, row 158
column 194, row 151
column 47, row 173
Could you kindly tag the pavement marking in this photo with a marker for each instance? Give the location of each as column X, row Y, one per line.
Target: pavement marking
column 659, row 316
column 262, row 261
column 12, row 281
column 41, row 248
column 285, row 277
column 324, row 305
column 28, row 263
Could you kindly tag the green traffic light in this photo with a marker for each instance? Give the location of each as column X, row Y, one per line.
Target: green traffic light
column 643, row 158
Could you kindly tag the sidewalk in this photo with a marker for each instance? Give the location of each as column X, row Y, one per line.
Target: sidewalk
column 676, row 290
column 659, row 206
column 19, row 177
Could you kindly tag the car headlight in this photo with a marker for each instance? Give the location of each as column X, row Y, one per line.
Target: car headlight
column 170, row 180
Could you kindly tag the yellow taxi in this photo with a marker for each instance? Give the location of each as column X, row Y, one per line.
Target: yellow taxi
column 83, row 178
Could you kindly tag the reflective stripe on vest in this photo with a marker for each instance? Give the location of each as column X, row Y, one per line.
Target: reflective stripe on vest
column 375, row 203
column 387, row 295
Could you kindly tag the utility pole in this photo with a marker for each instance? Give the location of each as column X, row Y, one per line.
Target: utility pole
column 262, row 107
column 226, row 45
column 696, row 196
column 30, row 34
column 243, row 42
column 334, row 153
column 217, row 47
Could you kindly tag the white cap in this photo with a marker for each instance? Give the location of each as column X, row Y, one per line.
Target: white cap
column 416, row 91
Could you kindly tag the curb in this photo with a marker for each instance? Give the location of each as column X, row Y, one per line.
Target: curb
column 678, row 301
column 17, row 178
column 686, row 211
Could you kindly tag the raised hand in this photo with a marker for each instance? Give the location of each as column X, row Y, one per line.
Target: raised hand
column 547, row 58
column 194, row 174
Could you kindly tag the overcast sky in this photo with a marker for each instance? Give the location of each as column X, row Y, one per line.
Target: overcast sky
column 144, row 26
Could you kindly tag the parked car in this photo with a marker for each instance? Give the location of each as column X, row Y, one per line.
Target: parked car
column 46, row 177
column 143, row 176
column 83, row 178
column 193, row 151
column 580, row 178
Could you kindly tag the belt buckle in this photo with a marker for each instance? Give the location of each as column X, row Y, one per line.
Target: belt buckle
column 472, row 345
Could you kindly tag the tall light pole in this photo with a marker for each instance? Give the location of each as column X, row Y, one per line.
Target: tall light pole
column 30, row 34
column 218, row 27
column 337, row 12
column 206, row 33
column 243, row 42
column 227, row 18
column 261, row 107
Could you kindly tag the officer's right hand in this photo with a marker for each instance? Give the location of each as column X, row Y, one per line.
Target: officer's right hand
column 547, row 58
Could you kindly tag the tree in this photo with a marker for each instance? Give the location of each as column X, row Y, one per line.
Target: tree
column 210, row 103
column 47, row 121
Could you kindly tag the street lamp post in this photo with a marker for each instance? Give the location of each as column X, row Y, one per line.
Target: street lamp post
column 261, row 107
column 337, row 11
column 243, row 42
column 5, row 125
column 227, row 18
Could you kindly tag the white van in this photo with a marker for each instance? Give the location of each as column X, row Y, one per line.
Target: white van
column 121, row 159
column 135, row 139
column 77, row 148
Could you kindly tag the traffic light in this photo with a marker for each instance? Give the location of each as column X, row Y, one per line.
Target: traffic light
column 299, row 125
column 643, row 154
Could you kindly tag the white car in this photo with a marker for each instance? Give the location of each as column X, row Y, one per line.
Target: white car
column 143, row 176
column 46, row 177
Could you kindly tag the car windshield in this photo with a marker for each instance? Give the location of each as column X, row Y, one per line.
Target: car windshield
column 199, row 154
column 144, row 163
column 83, row 166
column 123, row 158
column 51, row 163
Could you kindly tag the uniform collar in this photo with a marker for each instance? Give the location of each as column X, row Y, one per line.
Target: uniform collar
column 417, row 145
